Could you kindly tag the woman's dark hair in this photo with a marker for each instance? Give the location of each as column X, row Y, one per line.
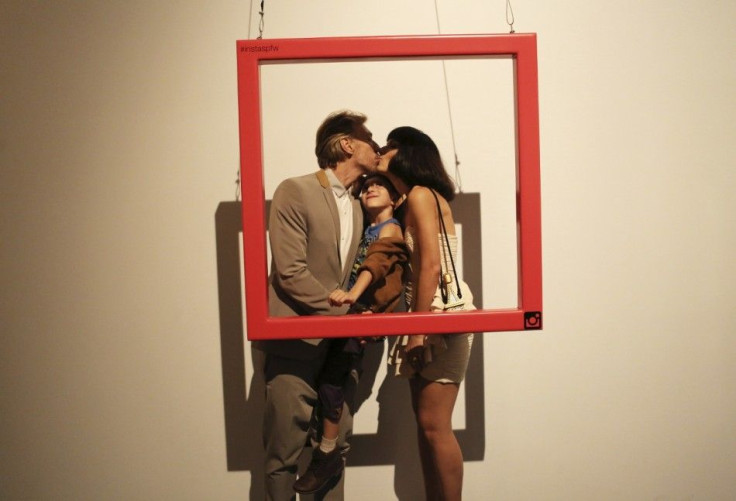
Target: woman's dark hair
column 417, row 161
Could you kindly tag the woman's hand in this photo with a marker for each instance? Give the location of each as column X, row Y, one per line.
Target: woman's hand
column 415, row 352
column 415, row 341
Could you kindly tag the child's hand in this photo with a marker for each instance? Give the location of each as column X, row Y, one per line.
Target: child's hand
column 339, row 297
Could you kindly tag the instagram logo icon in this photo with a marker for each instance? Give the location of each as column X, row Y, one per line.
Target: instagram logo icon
column 532, row 320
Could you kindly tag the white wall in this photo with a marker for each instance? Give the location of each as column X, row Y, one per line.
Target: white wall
column 118, row 155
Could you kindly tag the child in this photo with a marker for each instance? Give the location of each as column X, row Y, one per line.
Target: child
column 376, row 285
column 382, row 253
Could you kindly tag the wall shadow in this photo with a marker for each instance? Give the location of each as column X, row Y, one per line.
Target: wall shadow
column 243, row 407
column 394, row 443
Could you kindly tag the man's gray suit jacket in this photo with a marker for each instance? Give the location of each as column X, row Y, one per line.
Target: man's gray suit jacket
column 304, row 233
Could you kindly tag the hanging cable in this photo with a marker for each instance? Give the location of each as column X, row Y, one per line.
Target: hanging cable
column 237, row 187
column 458, row 179
column 510, row 16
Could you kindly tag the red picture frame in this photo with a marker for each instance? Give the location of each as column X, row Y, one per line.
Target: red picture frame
column 523, row 49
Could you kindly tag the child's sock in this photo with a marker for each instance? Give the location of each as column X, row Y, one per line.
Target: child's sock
column 328, row 445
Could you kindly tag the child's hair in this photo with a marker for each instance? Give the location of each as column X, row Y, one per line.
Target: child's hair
column 393, row 193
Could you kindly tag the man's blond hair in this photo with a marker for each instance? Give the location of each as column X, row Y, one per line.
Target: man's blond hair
column 334, row 128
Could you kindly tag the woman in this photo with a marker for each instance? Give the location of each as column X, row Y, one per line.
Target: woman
column 435, row 364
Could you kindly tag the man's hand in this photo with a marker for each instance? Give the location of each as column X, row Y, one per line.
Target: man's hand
column 371, row 339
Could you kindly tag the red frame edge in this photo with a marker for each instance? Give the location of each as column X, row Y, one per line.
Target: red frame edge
column 528, row 315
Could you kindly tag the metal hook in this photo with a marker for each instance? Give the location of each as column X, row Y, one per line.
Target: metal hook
column 510, row 11
column 261, row 22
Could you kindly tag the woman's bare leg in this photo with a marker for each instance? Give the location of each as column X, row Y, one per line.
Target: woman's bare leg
column 442, row 459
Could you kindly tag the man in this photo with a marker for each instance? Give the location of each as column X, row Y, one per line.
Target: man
column 315, row 228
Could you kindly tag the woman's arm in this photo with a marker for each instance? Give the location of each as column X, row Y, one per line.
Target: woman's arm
column 427, row 266
column 422, row 212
